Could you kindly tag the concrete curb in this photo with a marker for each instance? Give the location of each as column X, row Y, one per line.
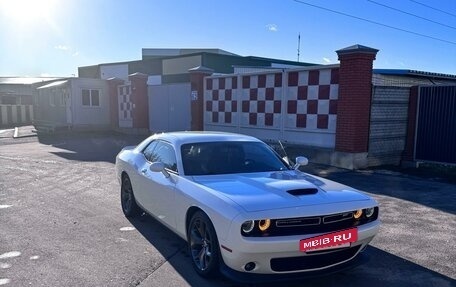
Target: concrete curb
column 16, row 132
column 23, row 132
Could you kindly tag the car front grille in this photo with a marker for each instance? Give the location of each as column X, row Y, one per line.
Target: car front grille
column 313, row 261
column 295, row 222
column 312, row 225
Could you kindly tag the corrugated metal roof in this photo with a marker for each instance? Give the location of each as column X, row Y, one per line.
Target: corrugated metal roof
column 54, row 84
column 25, row 80
column 400, row 72
column 167, row 52
column 408, row 81
column 253, row 69
column 280, row 61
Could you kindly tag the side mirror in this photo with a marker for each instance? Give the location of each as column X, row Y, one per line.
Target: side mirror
column 159, row 167
column 300, row 160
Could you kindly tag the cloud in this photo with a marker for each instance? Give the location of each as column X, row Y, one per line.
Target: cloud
column 45, row 75
column 326, row 60
column 272, row 27
column 67, row 49
column 62, row 48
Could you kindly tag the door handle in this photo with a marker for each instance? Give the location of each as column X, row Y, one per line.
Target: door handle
column 144, row 170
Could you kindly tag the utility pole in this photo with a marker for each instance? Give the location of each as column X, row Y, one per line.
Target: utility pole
column 299, row 44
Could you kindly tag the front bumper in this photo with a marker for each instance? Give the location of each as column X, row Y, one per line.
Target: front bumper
column 285, row 249
column 245, row 277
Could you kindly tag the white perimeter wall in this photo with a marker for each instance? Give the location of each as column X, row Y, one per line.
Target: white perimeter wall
column 297, row 106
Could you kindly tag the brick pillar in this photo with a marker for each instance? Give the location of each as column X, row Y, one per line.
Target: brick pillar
column 197, row 97
column 113, row 83
column 140, row 100
column 353, row 105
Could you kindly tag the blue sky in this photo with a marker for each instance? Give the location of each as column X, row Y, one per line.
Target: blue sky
column 54, row 38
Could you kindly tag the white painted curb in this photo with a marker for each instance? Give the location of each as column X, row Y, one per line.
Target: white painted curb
column 16, row 132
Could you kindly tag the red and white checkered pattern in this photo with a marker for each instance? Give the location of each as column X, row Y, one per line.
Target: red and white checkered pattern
column 312, row 99
column 125, row 103
column 261, row 100
column 221, row 100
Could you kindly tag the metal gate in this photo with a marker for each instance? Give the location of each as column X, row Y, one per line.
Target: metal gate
column 170, row 107
column 436, row 124
column 125, row 106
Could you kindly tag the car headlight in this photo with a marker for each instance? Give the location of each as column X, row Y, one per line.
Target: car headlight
column 264, row 224
column 369, row 212
column 358, row 214
column 248, row 226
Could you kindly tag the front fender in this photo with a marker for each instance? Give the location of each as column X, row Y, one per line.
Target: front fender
column 220, row 209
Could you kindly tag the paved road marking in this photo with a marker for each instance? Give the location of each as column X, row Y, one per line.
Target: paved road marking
column 4, row 265
column 128, row 228
column 4, row 281
column 10, row 254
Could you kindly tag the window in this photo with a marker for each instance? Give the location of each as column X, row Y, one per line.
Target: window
column 161, row 152
column 229, row 157
column 90, row 98
column 95, row 98
column 148, row 151
column 8, row 100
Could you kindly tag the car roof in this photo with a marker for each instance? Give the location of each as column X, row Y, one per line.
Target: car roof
column 179, row 138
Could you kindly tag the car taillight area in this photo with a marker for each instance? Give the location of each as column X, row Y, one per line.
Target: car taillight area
column 308, row 225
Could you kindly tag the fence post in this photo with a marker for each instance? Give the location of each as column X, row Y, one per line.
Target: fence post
column 408, row 157
column 353, row 106
column 197, row 75
column 140, row 100
column 113, row 83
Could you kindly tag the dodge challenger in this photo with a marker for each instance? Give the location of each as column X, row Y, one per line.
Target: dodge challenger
column 244, row 210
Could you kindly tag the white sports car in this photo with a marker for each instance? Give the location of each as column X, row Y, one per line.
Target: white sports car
column 242, row 208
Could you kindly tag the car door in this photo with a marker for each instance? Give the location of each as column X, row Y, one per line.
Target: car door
column 158, row 188
column 139, row 181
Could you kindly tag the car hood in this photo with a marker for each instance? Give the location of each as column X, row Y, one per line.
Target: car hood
column 276, row 190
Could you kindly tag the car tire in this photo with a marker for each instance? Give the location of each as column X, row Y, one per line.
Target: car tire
column 127, row 198
column 203, row 245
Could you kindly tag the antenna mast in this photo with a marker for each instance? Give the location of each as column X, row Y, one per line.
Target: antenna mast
column 299, row 44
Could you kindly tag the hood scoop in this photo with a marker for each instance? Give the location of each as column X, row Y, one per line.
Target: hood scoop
column 303, row 191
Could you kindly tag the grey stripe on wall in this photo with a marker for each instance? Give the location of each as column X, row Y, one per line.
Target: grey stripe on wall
column 15, row 114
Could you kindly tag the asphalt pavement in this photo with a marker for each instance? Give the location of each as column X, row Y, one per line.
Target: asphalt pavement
column 61, row 223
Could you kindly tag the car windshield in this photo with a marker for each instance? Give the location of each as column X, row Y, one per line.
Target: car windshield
column 209, row 158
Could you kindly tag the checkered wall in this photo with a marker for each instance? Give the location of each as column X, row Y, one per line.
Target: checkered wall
column 221, row 101
column 311, row 99
column 125, row 103
column 304, row 100
column 261, row 100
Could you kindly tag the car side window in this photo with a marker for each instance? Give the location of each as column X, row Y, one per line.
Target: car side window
column 148, row 151
column 165, row 153
column 162, row 152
